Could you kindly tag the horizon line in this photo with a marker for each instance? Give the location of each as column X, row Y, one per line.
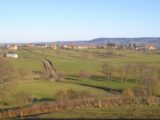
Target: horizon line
column 76, row 40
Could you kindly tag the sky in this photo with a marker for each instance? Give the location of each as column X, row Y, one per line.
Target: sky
column 62, row 20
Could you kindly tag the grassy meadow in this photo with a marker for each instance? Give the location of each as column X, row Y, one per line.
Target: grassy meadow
column 79, row 70
column 69, row 63
column 122, row 112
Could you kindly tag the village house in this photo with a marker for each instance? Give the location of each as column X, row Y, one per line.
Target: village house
column 64, row 46
column 73, row 46
column 30, row 45
column 11, row 55
column 92, row 46
column 54, row 46
column 82, row 47
column 41, row 45
column 68, row 46
column 12, row 47
column 151, row 47
column 139, row 47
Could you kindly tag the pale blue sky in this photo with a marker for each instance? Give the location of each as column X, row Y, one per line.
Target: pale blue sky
column 57, row 20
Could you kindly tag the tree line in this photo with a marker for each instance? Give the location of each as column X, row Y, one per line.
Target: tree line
column 148, row 76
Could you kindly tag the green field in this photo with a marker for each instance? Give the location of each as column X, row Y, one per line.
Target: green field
column 124, row 112
column 71, row 61
column 69, row 64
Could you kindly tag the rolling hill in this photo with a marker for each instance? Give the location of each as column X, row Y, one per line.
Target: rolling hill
column 142, row 40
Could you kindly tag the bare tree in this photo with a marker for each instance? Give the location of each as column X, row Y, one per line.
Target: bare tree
column 148, row 79
column 134, row 69
column 107, row 70
column 141, row 68
column 111, row 71
column 120, row 72
column 158, row 74
column 127, row 71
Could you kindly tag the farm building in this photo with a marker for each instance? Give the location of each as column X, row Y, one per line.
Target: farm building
column 11, row 55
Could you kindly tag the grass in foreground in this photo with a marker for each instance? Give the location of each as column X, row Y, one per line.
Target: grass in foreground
column 125, row 112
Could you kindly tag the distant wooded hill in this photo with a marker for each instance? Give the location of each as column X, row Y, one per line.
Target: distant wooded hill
column 144, row 40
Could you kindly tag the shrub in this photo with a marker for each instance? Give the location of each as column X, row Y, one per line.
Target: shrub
column 152, row 100
column 139, row 92
column 128, row 93
column 23, row 99
column 71, row 94
column 83, row 74
column 155, row 88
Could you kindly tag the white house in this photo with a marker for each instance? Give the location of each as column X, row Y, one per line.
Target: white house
column 11, row 55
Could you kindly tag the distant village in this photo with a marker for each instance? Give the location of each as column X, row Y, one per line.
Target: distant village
column 11, row 48
column 90, row 46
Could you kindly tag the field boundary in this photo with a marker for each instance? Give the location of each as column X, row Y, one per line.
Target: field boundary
column 54, row 106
